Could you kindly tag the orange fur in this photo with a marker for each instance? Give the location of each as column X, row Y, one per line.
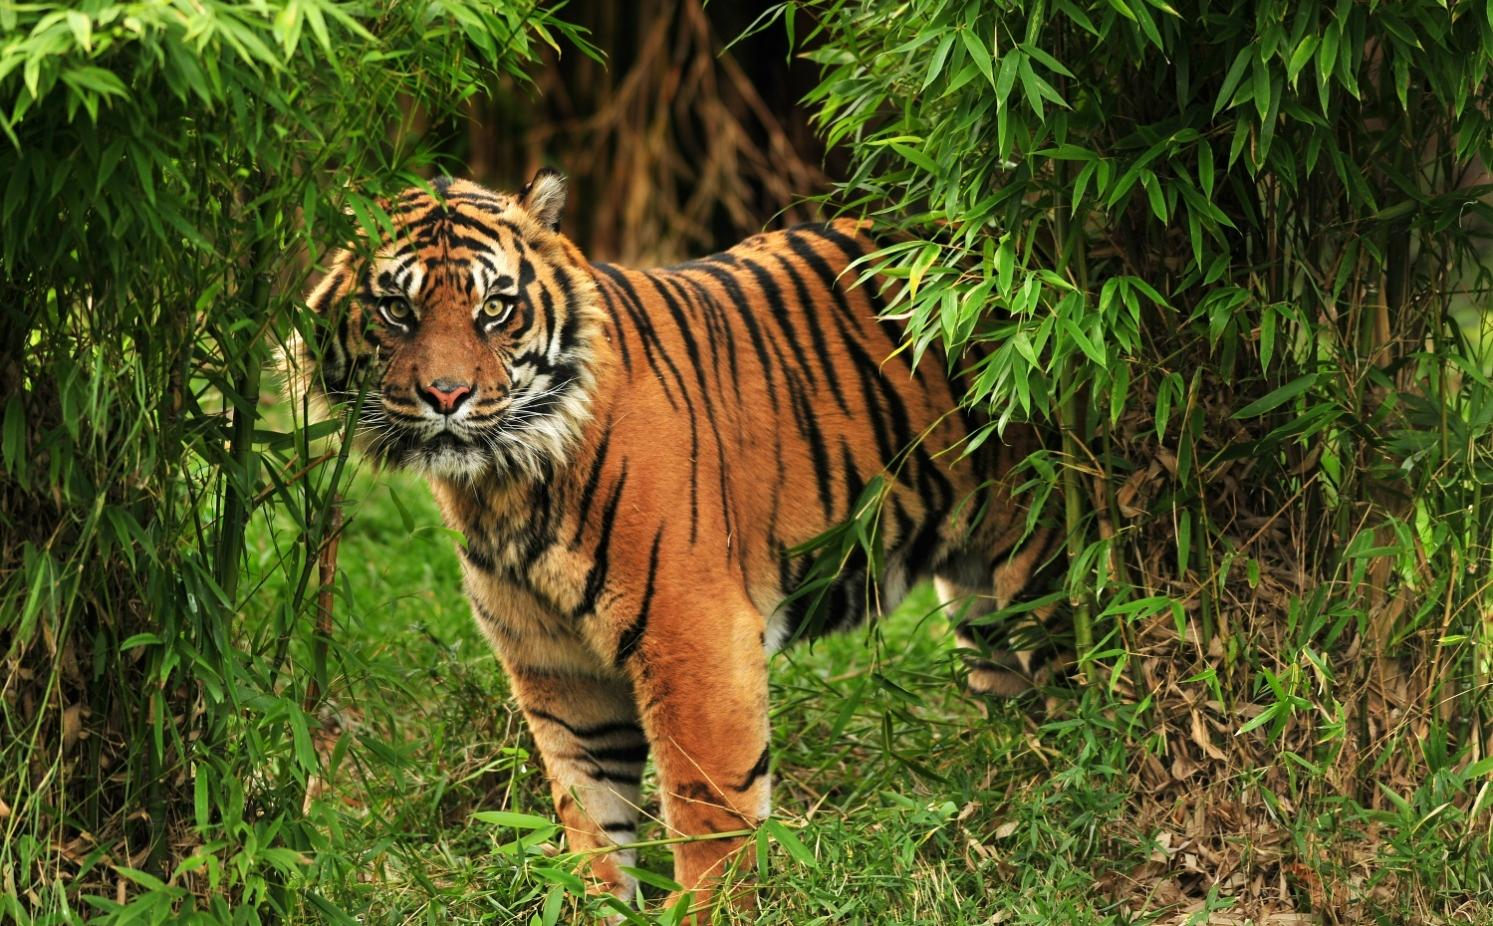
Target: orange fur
column 633, row 456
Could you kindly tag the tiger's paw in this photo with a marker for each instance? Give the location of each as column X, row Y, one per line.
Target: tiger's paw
column 990, row 680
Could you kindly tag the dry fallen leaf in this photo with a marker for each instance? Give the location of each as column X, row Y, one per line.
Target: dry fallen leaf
column 72, row 724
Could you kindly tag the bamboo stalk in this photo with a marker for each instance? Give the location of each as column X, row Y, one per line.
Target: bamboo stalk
column 1083, row 626
column 1068, row 424
column 238, row 497
column 326, row 563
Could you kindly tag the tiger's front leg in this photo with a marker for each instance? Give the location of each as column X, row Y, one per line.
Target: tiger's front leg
column 701, row 679
column 593, row 749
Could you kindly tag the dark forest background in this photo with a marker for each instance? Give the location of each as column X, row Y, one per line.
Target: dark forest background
column 674, row 146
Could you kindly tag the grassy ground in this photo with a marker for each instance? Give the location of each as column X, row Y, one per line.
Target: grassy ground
column 909, row 804
column 902, row 800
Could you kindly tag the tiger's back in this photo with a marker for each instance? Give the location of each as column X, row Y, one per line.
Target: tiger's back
column 775, row 380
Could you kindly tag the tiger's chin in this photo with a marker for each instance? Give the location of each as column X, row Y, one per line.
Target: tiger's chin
column 497, row 457
column 454, row 462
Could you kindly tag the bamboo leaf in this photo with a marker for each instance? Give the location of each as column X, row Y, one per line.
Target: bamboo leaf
column 1006, row 79
column 1154, row 194
column 1259, row 720
column 1084, row 344
column 1044, row 59
column 1267, row 336
column 653, row 879
column 915, row 156
column 522, row 821
column 1262, row 95
column 1123, row 8
column 786, row 838
column 936, row 63
column 1231, row 80
column 1300, row 57
column 1277, row 397
column 1205, row 168
column 1184, row 541
column 979, row 53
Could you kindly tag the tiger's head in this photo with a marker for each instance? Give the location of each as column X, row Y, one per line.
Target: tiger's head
column 467, row 337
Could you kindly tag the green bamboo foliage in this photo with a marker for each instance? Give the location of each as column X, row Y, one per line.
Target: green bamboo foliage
column 1233, row 253
column 167, row 173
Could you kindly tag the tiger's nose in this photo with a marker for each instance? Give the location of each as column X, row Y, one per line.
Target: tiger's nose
column 445, row 395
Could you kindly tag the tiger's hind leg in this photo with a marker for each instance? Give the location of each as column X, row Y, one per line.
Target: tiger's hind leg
column 994, row 667
column 1006, row 658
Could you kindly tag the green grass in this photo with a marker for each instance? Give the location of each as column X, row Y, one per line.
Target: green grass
column 913, row 805
column 909, row 802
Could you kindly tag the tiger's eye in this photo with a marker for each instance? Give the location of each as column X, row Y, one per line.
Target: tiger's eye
column 395, row 308
column 497, row 309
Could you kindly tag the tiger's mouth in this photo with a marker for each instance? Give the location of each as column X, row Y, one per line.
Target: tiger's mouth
column 526, row 435
column 447, row 440
column 445, row 447
column 454, row 449
column 449, row 456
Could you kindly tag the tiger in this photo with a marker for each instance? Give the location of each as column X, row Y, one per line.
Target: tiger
column 637, row 461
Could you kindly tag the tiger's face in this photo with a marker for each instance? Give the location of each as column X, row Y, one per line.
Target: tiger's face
column 467, row 336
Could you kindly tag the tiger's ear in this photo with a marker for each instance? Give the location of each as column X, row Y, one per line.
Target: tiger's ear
column 544, row 197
